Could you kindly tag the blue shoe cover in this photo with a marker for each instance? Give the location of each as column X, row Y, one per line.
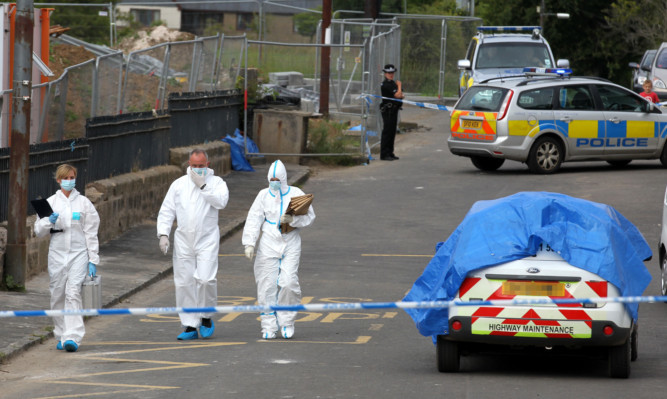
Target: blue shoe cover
column 206, row 331
column 184, row 336
column 59, row 346
column 71, row 346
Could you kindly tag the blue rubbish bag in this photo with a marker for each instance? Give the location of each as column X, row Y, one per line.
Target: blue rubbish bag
column 239, row 162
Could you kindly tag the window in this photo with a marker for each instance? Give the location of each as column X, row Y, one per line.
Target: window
column 513, row 55
column 661, row 62
column 145, row 17
column 487, row 99
column 576, row 97
column 537, row 99
column 615, row 99
column 243, row 21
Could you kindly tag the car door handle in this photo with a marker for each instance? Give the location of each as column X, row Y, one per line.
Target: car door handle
column 566, row 119
column 614, row 120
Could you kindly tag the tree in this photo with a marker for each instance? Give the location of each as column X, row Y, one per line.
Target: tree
column 84, row 22
column 306, row 23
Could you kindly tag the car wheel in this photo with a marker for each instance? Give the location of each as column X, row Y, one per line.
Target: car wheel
column 546, row 156
column 663, row 156
column 619, row 164
column 448, row 355
column 485, row 163
column 634, row 343
column 619, row 360
column 663, row 274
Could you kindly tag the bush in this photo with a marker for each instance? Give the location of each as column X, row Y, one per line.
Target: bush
column 326, row 137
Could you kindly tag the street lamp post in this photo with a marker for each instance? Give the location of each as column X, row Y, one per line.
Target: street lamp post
column 559, row 15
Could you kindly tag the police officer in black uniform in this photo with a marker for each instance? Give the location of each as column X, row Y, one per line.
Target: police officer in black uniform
column 389, row 110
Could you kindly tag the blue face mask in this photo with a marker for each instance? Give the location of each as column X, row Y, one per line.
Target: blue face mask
column 275, row 185
column 200, row 171
column 67, row 185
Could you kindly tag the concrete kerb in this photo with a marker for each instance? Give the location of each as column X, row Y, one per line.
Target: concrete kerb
column 42, row 332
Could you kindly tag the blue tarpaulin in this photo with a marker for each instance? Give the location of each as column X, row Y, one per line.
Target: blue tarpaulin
column 591, row 236
column 236, row 144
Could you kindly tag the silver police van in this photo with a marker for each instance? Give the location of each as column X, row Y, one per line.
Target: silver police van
column 547, row 117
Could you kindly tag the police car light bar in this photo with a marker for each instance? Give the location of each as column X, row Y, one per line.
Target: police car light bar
column 508, row 28
column 547, row 71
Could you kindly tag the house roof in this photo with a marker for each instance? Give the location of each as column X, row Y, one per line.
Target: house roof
column 243, row 6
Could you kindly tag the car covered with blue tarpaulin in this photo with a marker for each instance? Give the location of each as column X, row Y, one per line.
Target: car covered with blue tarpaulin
column 535, row 245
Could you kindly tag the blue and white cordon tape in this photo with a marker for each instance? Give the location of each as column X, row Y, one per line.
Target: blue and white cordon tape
column 417, row 103
column 324, row 307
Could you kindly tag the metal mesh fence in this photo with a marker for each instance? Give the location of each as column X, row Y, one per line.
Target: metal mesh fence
column 108, row 84
column 231, row 58
column 142, row 79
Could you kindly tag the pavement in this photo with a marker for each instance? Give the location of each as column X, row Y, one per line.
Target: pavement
column 128, row 263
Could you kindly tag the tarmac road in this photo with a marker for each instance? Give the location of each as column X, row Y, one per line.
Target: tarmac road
column 375, row 231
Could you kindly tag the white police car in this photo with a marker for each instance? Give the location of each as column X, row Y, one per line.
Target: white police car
column 504, row 51
column 548, row 117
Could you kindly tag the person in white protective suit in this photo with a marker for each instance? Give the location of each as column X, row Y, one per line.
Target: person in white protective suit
column 277, row 262
column 73, row 252
column 194, row 200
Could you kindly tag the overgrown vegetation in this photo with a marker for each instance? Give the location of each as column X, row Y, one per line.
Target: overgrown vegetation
column 327, row 137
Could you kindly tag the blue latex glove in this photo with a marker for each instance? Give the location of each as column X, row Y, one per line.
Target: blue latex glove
column 53, row 218
column 92, row 270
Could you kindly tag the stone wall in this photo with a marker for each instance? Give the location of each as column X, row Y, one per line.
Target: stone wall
column 123, row 201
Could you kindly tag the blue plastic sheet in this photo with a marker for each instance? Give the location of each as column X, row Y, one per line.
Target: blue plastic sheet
column 592, row 236
column 236, row 143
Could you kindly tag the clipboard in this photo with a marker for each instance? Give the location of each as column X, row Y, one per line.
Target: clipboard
column 44, row 210
column 42, row 207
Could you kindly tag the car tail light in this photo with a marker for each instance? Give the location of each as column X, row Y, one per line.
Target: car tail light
column 608, row 330
column 506, row 105
column 456, row 325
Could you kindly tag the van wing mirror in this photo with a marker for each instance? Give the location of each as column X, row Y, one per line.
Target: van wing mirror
column 563, row 63
column 464, row 64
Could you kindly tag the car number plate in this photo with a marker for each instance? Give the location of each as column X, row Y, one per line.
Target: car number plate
column 468, row 124
column 533, row 288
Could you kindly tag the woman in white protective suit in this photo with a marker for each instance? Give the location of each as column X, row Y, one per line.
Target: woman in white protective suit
column 277, row 262
column 73, row 252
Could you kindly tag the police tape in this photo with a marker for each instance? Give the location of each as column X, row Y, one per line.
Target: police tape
column 417, row 103
column 326, row 307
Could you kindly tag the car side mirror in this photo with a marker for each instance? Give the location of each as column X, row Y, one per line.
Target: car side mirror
column 646, row 68
column 463, row 64
column 563, row 63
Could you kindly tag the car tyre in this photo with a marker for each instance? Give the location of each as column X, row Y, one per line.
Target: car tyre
column 546, row 156
column 619, row 164
column 488, row 164
column 619, row 360
column 634, row 343
column 663, row 156
column 447, row 352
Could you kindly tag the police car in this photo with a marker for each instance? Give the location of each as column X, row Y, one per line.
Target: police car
column 548, row 117
column 504, row 51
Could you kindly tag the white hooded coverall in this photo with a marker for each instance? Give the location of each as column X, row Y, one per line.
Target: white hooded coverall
column 69, row 254
column 277, row 261
column 196, row 241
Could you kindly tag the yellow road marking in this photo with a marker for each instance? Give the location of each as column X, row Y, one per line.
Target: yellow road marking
column 400, row 255
column 174, row 347
column 107, row 393
column 362, row 339
column 102, row 384
column 389, row 315
column 376, row 327
column 333, row 316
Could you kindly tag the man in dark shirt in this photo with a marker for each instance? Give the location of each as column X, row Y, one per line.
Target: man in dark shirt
column 389, row 110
